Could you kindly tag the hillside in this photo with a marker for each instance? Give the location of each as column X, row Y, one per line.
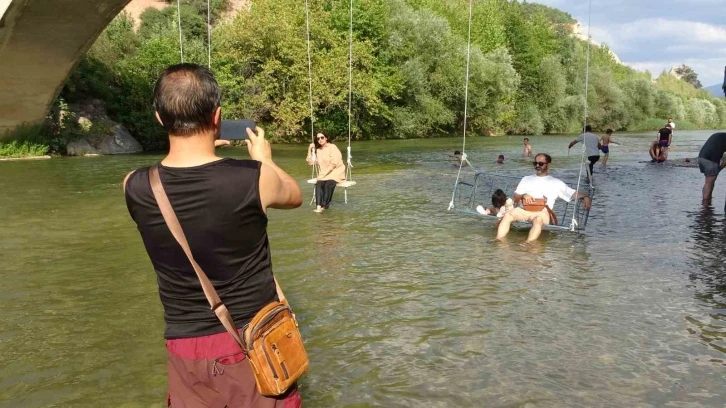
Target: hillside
column 715, row 90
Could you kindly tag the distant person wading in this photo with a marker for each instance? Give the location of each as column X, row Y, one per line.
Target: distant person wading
column 221, row 205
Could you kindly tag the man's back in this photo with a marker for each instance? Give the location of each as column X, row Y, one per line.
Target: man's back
column 218, row 206
column 664, row 133
column 591, row 141
column 714, row 148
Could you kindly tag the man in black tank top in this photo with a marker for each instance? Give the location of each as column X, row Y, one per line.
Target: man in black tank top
column 222, row 207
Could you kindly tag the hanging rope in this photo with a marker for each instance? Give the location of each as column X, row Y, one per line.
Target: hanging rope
column 181, row 46
column 573, row 224
column 310, row 95
column 466, row 106
column 349, row 167
column 209, row 37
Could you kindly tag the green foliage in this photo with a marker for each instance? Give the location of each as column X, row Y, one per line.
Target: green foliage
column 24, row 141
column 688, row 75
column 527, row 73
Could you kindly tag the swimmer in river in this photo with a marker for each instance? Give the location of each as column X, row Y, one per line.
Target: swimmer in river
column 458, row 159
column 500, row 159
column 527, row 148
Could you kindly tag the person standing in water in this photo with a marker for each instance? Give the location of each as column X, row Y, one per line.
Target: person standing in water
column 331, row 170
column 222, row 205
column 673, row 124
column 605, row 146
column 711, row 162
column 527, row 152
column 665, row 137
column 500, row 159
column 592, row 148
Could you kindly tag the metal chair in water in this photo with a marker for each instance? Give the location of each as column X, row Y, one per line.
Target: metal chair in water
column 479, row 192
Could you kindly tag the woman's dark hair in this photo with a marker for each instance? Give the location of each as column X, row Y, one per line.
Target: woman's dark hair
column 185, row 97
column 499, row 198
column 609, row 131
column 328, row 138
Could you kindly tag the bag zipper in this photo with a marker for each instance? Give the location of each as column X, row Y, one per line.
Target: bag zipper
column 269, row 317
column 269, row 361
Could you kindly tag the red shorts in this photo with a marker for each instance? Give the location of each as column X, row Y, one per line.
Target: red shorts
column 212, row 372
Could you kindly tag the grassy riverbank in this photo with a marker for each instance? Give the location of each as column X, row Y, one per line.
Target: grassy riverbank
column 24, row 141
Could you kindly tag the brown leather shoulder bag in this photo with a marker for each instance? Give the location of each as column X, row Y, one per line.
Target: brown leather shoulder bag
column 271, row 341
column 538, row 205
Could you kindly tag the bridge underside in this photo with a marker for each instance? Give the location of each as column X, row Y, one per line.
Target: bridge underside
column 41, row 41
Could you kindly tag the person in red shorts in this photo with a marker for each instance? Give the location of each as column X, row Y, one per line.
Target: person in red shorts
column 222, row 205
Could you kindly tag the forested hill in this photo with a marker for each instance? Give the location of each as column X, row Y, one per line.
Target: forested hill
column 527, row 70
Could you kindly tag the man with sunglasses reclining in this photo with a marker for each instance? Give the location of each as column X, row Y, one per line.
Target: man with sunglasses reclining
column 538, row 194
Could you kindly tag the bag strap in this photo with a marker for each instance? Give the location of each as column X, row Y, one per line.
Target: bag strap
column 176, row 230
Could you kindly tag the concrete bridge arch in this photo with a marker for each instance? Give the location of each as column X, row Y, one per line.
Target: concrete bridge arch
column 41, row 41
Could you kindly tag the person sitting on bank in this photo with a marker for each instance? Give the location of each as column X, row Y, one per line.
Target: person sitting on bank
column 592, row 146
column 331, row 169
column 222, row 205
column 538, row 194
column 656, row 153
column 711, row 162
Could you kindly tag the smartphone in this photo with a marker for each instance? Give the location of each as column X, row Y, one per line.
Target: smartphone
column 236, row 129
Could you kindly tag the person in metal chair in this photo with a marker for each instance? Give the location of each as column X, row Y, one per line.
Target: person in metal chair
column 538, row 194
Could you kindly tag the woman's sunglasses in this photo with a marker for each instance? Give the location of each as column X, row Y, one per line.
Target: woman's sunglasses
column 540, row 164
column 321, row 137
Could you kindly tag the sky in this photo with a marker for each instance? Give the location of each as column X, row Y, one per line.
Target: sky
column 658, row 34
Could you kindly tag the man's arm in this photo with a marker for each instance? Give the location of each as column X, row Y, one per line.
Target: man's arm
column 126, row 179
column 587, row 201
column 574, row 142
column 277, row 188
column 670, row 138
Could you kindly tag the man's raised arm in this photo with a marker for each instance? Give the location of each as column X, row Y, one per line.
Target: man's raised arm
column 277, row 188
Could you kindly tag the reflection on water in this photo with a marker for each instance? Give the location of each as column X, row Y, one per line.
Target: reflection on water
column 709, row 277
column 401, row 303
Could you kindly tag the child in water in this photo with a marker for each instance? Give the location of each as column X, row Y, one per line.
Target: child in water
column 500, row 205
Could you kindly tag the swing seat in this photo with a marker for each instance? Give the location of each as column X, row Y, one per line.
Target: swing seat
column 344, row 184
column 479, row 191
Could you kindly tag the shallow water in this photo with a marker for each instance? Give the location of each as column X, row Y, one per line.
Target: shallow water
column 401, row 303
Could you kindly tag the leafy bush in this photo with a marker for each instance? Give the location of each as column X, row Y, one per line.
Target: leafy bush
column 24, row 141
column 527, row 73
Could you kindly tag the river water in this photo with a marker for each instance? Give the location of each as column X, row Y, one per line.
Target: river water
column 401, row 303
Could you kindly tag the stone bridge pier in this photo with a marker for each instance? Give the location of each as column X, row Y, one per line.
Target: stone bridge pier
column 41, row 41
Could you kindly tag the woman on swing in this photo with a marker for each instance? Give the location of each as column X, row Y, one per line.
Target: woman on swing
column 331, row 169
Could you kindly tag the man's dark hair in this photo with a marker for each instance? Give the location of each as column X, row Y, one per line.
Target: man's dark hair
column 588, row 128
column 526, row 138
column 499, row 198
column 609, row 131
column 457, row 152
column 501, row 156
column 185, row 97
column 547, row 157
